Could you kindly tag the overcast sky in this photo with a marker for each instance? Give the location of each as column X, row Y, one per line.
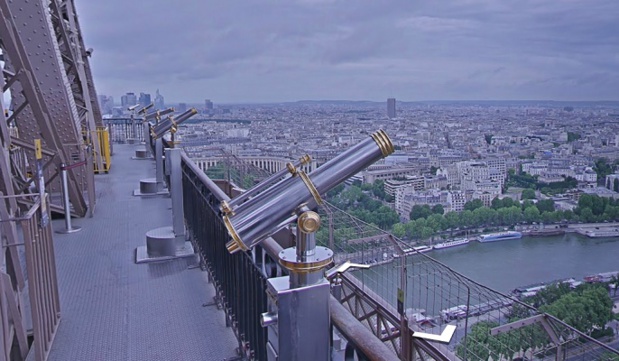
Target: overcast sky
column 270, row 51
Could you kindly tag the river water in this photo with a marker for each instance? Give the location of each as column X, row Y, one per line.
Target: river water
column 505, row 265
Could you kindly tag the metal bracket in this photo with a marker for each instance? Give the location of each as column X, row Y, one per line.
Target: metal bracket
column 344, row 267
column 444, row 337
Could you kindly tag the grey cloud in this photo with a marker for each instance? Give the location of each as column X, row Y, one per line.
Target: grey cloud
column 364, row 49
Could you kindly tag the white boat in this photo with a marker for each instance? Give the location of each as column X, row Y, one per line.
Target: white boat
column 418, row 249
column 454, row 243
column 500, row 236
column 422, row 249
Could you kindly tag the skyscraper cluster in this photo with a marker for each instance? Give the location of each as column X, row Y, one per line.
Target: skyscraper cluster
column 159, row 102
column 128, row 100
column 144, row 99
column 106, row 103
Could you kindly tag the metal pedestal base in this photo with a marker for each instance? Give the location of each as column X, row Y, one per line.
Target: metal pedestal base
column 161, row 245
column 141, row 154
column 150, row 187
column 73, row 229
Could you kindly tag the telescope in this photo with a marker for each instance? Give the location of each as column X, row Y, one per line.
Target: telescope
column 291, row 169
column 171, row 123
column 145, row 108
column 158, row 114
column 256, row 219
column 133, row 107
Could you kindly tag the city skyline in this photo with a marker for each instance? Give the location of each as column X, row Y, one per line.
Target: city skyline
column 329, row 50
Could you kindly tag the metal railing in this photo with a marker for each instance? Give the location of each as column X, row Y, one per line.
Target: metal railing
column 240, row 278
column 42, row 282
column 239, row 282
column 121, row 130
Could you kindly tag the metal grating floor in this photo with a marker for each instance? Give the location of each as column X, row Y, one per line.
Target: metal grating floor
column 114, row 309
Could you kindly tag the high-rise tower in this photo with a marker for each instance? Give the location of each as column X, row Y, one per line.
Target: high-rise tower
column 391, row 108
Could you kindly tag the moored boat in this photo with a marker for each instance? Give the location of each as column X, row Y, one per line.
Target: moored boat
column 499, row 236
column 454, row 243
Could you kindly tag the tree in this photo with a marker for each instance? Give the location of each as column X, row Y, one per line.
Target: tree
column 399, row 230
column 551, row 217
column 466, row 218
column 549, row 294
column 488, row 138
column 602, row 168
column 614, row 280
column 216, row 172
column 616, row 185
column 531, row 214
column 528, row 194
column 586, row 215
column 585, row 201
column 496, row 203
column 453, row 219
column 473, row 204
column 438, row 209
column 585, row 310
column 607, row 356
column 378, row 189
column 481, row 346
column 572, row 137
column 335, row 191
column 485, row 216
column 597, row 206
column 546, row 205
column 420, row 211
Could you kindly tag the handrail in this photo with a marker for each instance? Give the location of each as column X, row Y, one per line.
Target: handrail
column 217, row 192
column 359, row 335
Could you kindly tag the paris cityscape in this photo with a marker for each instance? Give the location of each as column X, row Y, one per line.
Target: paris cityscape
column 309, row 180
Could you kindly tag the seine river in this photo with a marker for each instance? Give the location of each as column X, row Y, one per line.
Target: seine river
column 506, row 265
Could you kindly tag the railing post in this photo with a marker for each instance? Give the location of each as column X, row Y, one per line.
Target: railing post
column 134, row 128
column 146, row 136
column 298, row 317
column 67, row 206
column 173, row 156
column 159, row 164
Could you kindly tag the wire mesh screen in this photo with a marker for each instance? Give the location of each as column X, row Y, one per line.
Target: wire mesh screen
column 235, row 170
column 489, row 324
column 404, row 286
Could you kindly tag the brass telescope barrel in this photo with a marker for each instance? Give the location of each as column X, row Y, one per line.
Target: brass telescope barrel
column 145, row 108
column 158, row 114
column 259, row 217
column 171, row 122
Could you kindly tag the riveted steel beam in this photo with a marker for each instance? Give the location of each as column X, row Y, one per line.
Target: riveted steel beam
column 31, row 49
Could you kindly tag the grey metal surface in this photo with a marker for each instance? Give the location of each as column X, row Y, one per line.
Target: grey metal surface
column 149, row 187
column 161, row 242
column 159, row 164
column 113, row 309
column 51, row 113
column 301, row 331
column 176, row 190
column 185, row 250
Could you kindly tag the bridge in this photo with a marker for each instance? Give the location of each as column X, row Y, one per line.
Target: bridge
column 88, row 272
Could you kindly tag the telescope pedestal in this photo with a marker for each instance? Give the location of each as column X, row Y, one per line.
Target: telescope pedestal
column 297, row 321
column 161, row 245
column 150, row 187
column 169, row 242
column 141, row 154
